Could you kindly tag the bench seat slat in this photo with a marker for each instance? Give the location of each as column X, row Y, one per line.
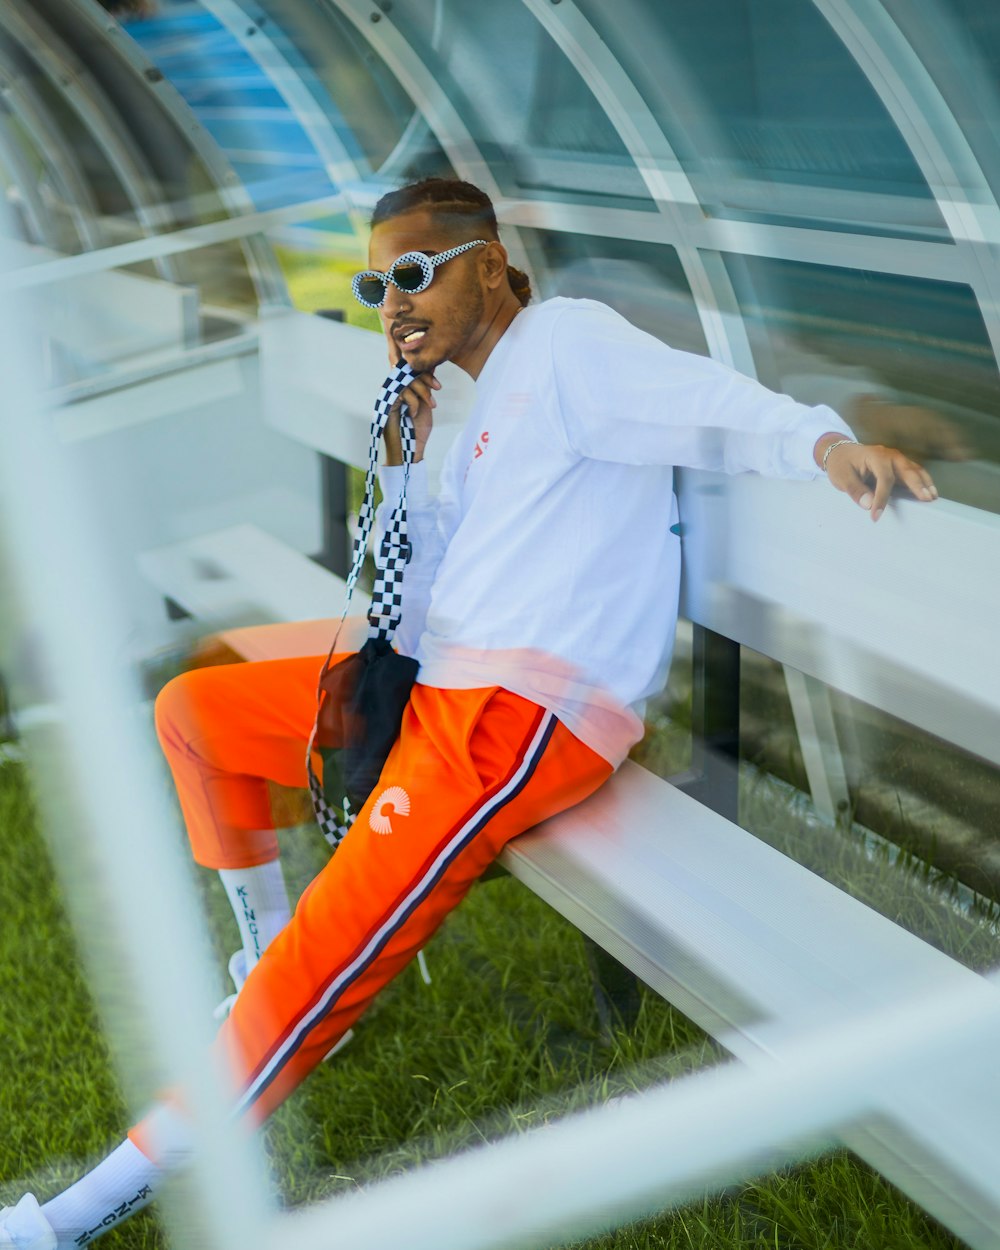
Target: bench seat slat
column 722, row 924
column 244, row 575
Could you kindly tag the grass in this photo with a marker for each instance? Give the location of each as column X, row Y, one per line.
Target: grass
column 505, row 1038
column 909, row 891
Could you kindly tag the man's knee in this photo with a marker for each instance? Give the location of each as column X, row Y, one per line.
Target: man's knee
column 176, row 710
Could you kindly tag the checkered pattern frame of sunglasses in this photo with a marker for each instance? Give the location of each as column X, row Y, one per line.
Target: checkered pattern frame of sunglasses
column 390, row 563
column 428, row 266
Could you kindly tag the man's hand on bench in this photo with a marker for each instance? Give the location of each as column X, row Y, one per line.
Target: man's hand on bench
column 869, row 472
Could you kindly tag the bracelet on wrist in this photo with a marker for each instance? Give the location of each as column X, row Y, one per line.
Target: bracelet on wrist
column 839, row 443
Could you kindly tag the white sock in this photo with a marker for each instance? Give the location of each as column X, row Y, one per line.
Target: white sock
column 260, row 904
column 123, row 1183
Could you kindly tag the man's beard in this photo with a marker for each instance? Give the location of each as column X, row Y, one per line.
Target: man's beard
column 468, row 317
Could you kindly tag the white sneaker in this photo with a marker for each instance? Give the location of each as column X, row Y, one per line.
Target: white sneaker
column 25, row 1228
column 238, row 974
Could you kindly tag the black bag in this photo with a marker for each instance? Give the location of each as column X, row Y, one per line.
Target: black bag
column 362, row 701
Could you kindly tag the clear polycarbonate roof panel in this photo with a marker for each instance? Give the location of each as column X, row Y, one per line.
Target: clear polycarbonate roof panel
column 100, row 193
column 369, row 100
column 769, row 114
column 958, row 41
column 35, row 159
column 133, row 159
column 299, row 102
column 976, row 24
column 906, row 360
column 25, row 168
column 236, row 101
column 643, row 281
column 357, row 95
column 528, row 110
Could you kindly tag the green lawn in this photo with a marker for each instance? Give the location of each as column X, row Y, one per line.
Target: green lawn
column 504, row 1038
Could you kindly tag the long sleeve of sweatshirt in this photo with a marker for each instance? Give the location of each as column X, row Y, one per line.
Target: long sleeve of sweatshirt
column 627, row 397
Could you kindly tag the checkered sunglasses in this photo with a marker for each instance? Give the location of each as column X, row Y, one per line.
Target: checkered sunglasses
column 412, row 272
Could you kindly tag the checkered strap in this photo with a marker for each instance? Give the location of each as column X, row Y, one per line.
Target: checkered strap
column 390, row 562
column 394, row 551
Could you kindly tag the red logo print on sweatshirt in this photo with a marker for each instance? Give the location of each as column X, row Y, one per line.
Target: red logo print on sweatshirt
column 482, row 443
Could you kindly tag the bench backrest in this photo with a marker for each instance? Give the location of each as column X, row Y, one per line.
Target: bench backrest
column 901, row 614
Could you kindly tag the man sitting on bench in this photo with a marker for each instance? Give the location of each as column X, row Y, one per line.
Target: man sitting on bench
column 540, row 602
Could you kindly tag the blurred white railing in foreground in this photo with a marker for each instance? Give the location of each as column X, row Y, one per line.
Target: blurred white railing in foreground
column 654, row 1150
column 109, row 831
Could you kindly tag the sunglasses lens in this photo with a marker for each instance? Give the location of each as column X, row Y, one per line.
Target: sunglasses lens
column 370, row 290
column 409, row 277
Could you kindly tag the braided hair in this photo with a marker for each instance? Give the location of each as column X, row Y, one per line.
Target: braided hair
column 451, row 198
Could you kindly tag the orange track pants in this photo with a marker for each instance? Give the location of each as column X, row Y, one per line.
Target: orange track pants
column 470, row 770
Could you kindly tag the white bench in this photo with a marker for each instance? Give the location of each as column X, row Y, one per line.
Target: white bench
column 242, row 574
column 101, row 320
column 756, row 949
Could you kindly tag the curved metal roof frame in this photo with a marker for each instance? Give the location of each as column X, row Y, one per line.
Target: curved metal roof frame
column 52, row 146
column 964, row 71
column 696, row 237
column 244, row 23
column 420, row 83
column 301, row 97
column 445, row 120
column 876, row 38
column 33, row 207
column 262, row 265
column 409, row 141
column 712, row 235
column 671, row 189
column 934, row 136
column 71, row 79
column 417, row 126
column 112, row 131
column 686, row 97
column 709, row 236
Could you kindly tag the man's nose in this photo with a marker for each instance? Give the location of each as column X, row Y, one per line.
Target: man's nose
column 395, row 302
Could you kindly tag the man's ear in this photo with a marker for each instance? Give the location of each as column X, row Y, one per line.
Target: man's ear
column 494, row 264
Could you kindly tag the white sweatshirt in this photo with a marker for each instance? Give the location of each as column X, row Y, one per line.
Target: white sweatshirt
column 549, row 564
